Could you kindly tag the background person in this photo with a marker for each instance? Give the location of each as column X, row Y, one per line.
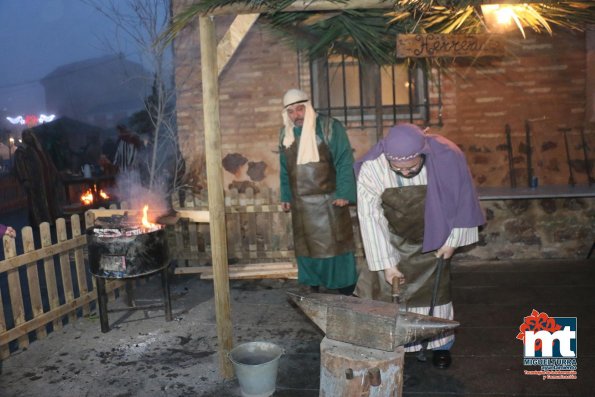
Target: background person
column 7, row 231
column 40, row 179
column 317, row 185
column 416, row 202
column 128, row 146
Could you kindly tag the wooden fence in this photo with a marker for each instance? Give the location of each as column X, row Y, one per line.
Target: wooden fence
column 50, row 283
column 47, row 285
column 259, row 236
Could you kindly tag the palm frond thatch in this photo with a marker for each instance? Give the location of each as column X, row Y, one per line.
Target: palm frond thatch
column 370, row 33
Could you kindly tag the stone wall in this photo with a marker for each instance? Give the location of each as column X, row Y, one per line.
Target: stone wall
column 534, row 229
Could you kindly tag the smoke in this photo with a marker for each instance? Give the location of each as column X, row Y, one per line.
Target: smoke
column 130, row 190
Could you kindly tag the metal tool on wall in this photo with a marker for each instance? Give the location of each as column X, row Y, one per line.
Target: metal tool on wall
column 564, row 131
column 510, row 159
column 586, row 157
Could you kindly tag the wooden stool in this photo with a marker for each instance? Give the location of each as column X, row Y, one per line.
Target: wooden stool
column 348, row 370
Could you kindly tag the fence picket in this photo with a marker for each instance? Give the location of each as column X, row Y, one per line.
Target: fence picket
column 250, row 222
column 65, row 266
column 193, row 238
column 234, row 226
column 50, row 272
column 15, row 293
column 79, row 262
column 33, row 280
column 4, row 351
column 181, row 242
column 260, row 221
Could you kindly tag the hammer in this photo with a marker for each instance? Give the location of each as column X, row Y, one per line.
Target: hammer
column 396, row 293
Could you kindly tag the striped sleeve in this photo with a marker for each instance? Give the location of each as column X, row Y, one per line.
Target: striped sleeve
column 462, row 236
column 380, row 253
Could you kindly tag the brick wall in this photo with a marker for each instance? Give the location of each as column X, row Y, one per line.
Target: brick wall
column 543, row 80
column 250, row 89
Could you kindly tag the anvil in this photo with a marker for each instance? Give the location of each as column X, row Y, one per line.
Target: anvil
column 368, row 323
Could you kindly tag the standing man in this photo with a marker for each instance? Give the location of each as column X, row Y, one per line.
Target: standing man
column 416, row 205
column 40, row 179
column 127, row 149
column 317, row 185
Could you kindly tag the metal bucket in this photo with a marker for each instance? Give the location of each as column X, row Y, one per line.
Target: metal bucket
column 256, row 365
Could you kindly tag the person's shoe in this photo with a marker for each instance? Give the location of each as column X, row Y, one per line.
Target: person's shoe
column 314, row 288
column 441, row 359
column 347, row 291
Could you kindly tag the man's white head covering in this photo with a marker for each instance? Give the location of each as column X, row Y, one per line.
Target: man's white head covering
column 308, row 147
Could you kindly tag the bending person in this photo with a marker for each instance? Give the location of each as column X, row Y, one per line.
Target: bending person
column 416, row 203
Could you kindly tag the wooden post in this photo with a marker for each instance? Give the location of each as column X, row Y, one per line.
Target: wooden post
column 210, row 98
column 350, row 370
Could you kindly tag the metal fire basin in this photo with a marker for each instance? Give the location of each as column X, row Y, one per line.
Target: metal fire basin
column 126, row 251
column 119, row 249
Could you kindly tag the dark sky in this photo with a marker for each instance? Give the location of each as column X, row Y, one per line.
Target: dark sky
column 37, row 36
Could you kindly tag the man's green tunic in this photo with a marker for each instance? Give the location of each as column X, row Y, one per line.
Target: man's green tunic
column 335, row 271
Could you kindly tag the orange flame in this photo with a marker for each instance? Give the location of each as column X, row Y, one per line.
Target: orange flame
column 145, row 220
column 87, row 196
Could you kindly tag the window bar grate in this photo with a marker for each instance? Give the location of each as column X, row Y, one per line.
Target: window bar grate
column 394, row 93
column 410, row 91
column 440, row 98
column 344, row 83
column 327, row 76
column 361, row 92
column 426, row 96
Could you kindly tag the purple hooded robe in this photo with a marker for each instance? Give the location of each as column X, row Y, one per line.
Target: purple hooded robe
column 451, row 199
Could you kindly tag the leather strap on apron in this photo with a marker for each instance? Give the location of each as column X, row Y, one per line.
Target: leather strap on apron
column 320, row 229
column 404, row 210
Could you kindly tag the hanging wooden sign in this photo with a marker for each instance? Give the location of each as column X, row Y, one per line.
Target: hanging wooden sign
column 448, row 45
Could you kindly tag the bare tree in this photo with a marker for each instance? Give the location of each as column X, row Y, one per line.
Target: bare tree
column 142, row 22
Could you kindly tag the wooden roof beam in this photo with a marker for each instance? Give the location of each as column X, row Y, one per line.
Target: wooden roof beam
column 232, row 39
column 304, row 5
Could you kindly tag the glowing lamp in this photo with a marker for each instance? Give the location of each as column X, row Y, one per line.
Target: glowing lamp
column 501, row 18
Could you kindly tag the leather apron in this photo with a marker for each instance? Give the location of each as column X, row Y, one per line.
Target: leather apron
column 320, row 229
column 404, row 209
